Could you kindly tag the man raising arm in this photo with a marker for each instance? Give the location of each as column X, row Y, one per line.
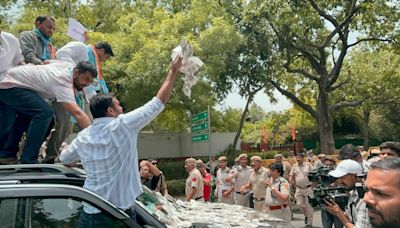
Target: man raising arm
column 108, row 147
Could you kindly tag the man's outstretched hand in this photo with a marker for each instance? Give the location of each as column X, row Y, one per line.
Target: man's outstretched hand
column 176, row 65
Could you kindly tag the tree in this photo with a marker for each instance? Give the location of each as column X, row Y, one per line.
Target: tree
column 226, row 120
column 142, row 34
column 375, row 75
column 310, row 40
column 146, row 37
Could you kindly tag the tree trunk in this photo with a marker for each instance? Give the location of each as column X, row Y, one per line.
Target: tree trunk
column 325, row 126
column 246, row 109
column 366, row 116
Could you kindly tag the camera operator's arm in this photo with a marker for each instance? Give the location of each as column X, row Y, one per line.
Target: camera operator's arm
column 334, row 209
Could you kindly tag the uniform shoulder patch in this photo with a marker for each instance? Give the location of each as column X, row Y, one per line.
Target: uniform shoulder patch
column 286, row 185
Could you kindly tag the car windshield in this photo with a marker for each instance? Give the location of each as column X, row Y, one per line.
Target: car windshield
column 178, row 213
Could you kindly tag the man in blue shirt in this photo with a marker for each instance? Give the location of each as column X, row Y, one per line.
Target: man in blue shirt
column 108, row 148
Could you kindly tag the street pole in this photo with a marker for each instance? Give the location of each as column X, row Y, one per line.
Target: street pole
column 191, row 133
column 209, row 131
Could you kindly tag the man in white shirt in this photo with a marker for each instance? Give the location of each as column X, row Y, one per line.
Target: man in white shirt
column 24, row 89
column 75, row 52
column 10, row 55
column 108, row 148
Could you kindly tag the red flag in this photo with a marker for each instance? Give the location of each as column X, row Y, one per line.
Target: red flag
column 294, row 134
column 264, row 134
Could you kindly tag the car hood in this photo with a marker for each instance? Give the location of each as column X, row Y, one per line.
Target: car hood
column 179, row 213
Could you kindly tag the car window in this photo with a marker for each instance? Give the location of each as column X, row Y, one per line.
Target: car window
column 51, row 212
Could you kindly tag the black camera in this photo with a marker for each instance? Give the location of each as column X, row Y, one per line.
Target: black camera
column 323, row 190
column 336, row 194
column 320, row 176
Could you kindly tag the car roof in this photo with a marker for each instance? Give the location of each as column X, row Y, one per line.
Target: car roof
column 41, row 168
column 42, row 173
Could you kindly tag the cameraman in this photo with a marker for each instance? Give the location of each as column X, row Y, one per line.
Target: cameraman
column 327, row 218
column 356, row 214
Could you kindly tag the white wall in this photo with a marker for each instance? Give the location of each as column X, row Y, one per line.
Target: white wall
column 180, row 145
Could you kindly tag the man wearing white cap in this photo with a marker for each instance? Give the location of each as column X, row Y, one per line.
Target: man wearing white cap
column 356, row 212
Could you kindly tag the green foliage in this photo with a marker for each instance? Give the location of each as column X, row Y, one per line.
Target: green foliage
column 226, row 120
column 142, row 35
column 306, row 44
column 176, row 187
column 173, row 169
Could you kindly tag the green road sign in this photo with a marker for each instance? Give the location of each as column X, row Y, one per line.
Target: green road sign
column 199, row 138
column 199, row 127
column 200, row 116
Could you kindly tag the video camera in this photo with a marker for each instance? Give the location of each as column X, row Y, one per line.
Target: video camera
column 320, row 176
column 336, row 194
column 323, row 190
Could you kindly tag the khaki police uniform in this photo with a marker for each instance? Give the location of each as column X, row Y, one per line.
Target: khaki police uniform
column 258, row 186
column 275, row 207
column 195, row 180
column 303, row 189
column 286, row 169
column 242, row 177
column 223, row 186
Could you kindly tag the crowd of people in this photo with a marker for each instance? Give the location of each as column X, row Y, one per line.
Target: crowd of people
column 51, row 90
column 272, row 189
column 43, row 88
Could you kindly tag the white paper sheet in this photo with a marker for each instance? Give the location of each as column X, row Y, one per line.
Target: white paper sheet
column 76, row 30
column 190, row 65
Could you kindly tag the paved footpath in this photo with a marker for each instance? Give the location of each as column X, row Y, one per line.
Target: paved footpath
column 298, row 219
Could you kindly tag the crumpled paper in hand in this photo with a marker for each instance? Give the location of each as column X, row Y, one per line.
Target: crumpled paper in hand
column 190, row 65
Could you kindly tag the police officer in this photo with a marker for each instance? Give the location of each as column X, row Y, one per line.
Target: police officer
column 277, row 194
column 257, row 177
column 299, row 179
column 224, row 189
column 194, row 182
column 240, row 175
column 286, row 166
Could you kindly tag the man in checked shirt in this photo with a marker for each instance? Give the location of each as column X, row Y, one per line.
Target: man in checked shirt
column 108, row 149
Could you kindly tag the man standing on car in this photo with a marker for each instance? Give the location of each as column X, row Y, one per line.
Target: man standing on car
column 108, row 148
column 10, row 55
column 24, row 89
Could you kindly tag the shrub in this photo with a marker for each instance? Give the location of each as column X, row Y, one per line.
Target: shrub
column 173, row 169
column 176, row 187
